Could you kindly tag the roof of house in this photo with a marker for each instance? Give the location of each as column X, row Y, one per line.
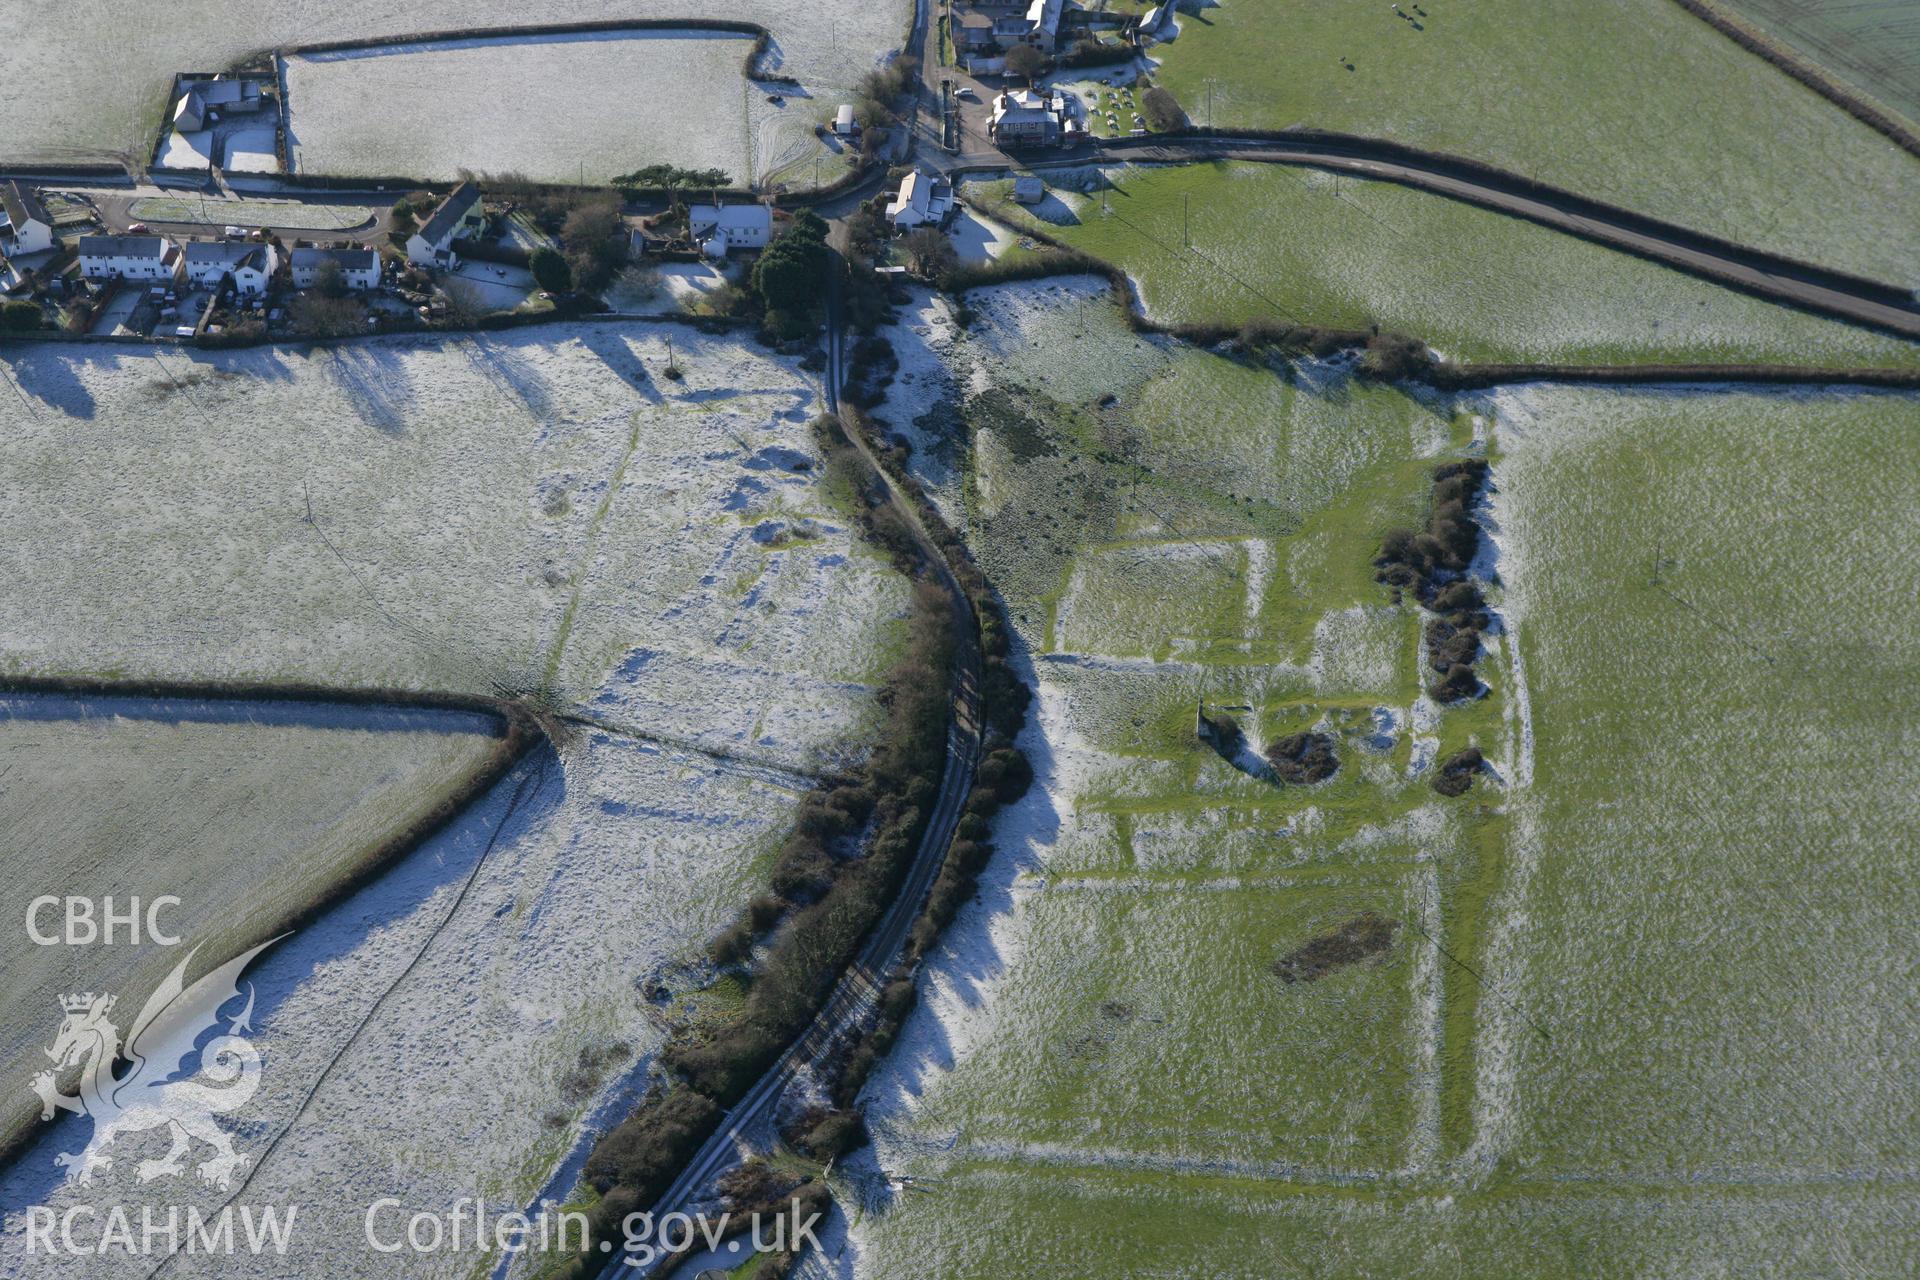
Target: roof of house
column 232, row 254
column 1044, row 15
column 1025, row 107
column 123, row 246
column 220, row 93
column 733, row 217
column 972, row 18
column 918, row 191
column 22, row 205
column 349, row 259
column 455, row 207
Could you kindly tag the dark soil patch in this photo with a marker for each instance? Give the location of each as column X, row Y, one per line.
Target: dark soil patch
column 1367, row 934
column 1303, row 758
column 1456, row 772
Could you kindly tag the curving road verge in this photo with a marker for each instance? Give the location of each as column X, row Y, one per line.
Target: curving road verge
column 854, row 998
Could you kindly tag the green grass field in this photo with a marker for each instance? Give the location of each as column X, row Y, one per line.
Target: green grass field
column 1874, row 44
column 1711, row 875
column 1663, row 1034
column 1205, row 537
column 1224, row 243
column 1635, row 102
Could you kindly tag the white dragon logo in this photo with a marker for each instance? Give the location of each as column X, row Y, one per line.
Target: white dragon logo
column 157, row 1046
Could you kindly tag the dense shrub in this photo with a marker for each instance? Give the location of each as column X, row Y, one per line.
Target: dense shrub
column 550, row 270
column 645, row 1151
column 1456, row 772
column 1303, row 758
column 1426, row 562
column 1162, row 110
column 20, row 316
column 1394, row 357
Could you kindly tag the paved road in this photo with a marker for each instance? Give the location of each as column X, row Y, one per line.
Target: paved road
column 1756, row 271
column 853, row 999
column 1875, row 304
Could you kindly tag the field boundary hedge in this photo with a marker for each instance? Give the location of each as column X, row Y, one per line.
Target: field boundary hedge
column 517, row 731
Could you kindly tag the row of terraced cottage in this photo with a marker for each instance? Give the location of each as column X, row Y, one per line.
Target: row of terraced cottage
column 250, row 262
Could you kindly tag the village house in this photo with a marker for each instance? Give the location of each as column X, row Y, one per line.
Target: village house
column 251, row 265
column 360, row 268
column 924, row 198
column 458, row 217
column 1027, row 118
column 28, row 228
column 1038, row 25
column 972, row 31
column 204, row 101
column 720, row 229
column 129, row 258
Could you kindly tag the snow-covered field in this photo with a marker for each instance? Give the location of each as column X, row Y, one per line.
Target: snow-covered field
column 546, row 510
column 551, row 107
column 89, row 83
column 242, row 812
column 539, row 509
column 445, row 1032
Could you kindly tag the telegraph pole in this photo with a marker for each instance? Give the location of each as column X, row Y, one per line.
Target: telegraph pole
column 1185, row 239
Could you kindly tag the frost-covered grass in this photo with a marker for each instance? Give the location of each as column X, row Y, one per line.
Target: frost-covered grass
column 244, row 821
column 455, row 1035
column 1711, row 879
column 540, row 509
column 1225, row 243
column 1667, row 1023
column 252, row 213
column 93, row 85
column 551, row 107
column 1635, row 101
column 1108, row 1009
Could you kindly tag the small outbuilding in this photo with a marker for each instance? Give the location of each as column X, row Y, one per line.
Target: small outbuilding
column 844, row 123
column 1029, row 190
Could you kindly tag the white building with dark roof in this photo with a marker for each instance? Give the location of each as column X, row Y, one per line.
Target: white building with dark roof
column 1029, row 118
column 29, row 228
column 129, row 258
column 250, row 264
column 924, row 198
column 720, row 229
column 360, row 267
column 460, row 215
